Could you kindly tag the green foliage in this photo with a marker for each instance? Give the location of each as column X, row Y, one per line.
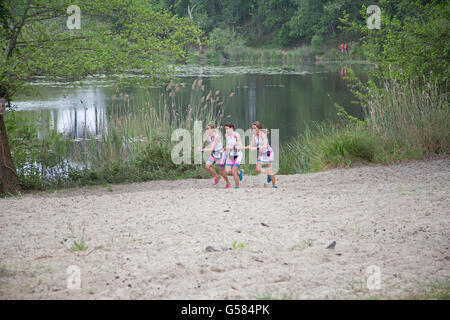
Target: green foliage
column 117, row 156
column 238, row 246
column 345, row 147
column 79, row 245
column 437, row 290
column 345, row 117
column 35, row 158
column 225, row 40
column 345, row 144
column 407, row 102
column 115, row 37
column 285, row 23
column 413, row 42
column 404, row 120
column 317, row 43
column 156, row 159
column 412, row 115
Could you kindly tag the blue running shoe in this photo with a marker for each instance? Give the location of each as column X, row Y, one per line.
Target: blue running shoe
column 240, row 175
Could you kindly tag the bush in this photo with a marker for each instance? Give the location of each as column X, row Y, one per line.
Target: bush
column 35, row 158
column 329, row 145
column 317, row 42
column 225, row 40
column 414, row 116
column 356, row 51
column 404, row 120
column 343, row 147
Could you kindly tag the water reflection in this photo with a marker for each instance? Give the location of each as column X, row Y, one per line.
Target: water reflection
column 287, row 100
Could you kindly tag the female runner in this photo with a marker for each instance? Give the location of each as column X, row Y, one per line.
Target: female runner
column 234, row 153
column 217, row 155
column 265, row 152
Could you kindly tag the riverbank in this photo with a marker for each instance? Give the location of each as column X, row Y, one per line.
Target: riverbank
column 277, row 56
column 149, row 240
column 136, row 147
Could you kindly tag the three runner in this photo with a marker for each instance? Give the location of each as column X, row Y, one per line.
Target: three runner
column 232, row 155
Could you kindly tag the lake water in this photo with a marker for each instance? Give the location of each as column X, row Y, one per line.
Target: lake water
column 281, row 98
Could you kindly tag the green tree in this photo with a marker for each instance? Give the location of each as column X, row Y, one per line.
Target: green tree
column 276, row 13
column 412, row 43
column 116, row 37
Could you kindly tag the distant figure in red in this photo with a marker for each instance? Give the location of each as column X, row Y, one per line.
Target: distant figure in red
column 345, row 48
column 342, row 48
column 343, row 72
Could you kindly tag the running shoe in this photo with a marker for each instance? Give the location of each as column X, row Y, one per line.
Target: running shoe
column 240, row 174
column 236, row 187
column 216, row 180
column 227, row 186
column 274, row 187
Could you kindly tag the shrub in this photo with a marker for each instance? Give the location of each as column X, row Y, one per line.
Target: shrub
column 317, row 42
column 225, row 40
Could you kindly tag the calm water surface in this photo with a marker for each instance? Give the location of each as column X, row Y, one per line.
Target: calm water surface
column 281, row 98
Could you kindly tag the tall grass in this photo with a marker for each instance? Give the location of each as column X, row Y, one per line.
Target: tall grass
column 327, row 145
column 129, row 134
column 403, row 120
column 134, row 145
column 260, row 56
column 414, row 116
column 268, row 55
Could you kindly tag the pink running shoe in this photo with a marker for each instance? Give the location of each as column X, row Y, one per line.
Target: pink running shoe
column 227, row 186
column 216, row 180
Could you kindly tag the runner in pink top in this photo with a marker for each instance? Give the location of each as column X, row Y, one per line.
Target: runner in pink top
column 260, row 142
column 234, row 153
column 218, row 154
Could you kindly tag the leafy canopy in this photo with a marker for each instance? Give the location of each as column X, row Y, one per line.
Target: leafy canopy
column 116, row 37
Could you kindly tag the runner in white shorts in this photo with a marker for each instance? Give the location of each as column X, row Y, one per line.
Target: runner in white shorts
column 260, row 142
column 218, row 154
column 234, row 154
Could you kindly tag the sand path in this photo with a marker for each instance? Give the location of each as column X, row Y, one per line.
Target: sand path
column 148, row 240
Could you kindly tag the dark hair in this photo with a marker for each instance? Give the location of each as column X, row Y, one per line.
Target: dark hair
column 258, row 125
column 211, row 125
column 229, row 125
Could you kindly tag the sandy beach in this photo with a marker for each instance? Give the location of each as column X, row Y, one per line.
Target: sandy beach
column 188, row 239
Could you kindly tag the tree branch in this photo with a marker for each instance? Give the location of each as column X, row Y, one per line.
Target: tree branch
column 12, row 42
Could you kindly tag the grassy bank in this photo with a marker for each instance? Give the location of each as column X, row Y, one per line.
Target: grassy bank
column 403, row 121
column 226, row 46
column 252, row 56
column 274, row 56
column 135, row 146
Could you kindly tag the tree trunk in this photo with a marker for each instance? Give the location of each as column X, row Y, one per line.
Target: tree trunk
column 198, row 38
column 8, row 177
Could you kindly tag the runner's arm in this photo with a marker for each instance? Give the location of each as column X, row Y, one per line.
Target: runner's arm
column 213, row 146
column 265, row 142
column 252, row 145
column 239, row 141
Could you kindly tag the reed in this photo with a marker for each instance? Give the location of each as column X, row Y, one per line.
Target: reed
column 129, row 134
column 403, row 121
column 327, row 145
column 134, row 145
column 411, row 115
